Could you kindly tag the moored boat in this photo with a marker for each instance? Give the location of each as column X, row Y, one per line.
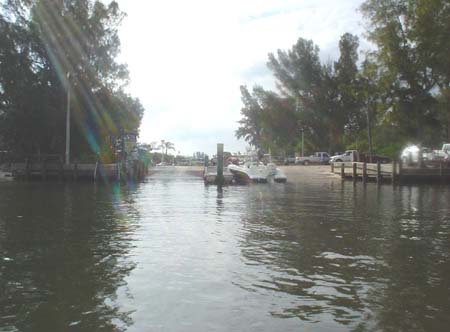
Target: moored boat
column 254, row 172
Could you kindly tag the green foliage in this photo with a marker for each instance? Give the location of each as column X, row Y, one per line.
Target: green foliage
column 400, row 93
column 269, row 122
column 251, row 124
column 318, row 99
column 165, row 146
column 413, row 61
column 48, row 47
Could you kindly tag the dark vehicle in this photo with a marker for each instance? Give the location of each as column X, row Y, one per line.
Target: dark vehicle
column 289, row 160
column 381, row 159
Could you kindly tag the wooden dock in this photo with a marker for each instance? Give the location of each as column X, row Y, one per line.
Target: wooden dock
column 210, row 175
column 51, row 169
column 394, row 172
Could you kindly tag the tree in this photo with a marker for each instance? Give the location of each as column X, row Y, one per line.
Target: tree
column 42, row 42
column 413, row 59
column 301, row 77
column 250, row 126
column 165, row 146
column 349, row 102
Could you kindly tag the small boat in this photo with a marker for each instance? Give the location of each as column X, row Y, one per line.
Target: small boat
column 254, row 172
column 277, row 175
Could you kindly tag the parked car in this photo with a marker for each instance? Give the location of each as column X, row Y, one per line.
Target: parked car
column 316, row 158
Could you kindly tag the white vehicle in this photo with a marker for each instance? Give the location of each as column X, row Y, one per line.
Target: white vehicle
column 410, row 155
column 316, row 158
column 349, row 155
column 444, row 153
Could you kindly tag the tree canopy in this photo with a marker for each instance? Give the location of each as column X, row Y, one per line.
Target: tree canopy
column 400, row 90
column 48, row 47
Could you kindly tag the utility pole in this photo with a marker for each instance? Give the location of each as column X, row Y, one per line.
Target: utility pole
column 297, row 109
column 68, row 121
column 369, row 126
column 369, row 133
column 303, row 142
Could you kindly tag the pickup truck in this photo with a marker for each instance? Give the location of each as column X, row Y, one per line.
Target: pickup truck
column 355, row 155
column 316, row 158
column 444, row 153
column 349, row 155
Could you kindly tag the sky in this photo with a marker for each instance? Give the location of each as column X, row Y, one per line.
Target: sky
column 187, row 59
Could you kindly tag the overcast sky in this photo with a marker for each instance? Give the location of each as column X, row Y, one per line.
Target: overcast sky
column 187, row 59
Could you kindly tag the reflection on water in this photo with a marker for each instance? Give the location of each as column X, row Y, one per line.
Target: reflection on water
column 174, row 255
column 63, row 256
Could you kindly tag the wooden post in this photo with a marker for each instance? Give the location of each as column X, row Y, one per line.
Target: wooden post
column 95, row 171
column 75, row 172
column 420, row 157
column 61, row 169
column 118, row 172
column 355, row 173
column 441, row 169
column 378, row 171
column 27, row 169
column 332, row 167
column 43, row 171
column 394, row 171
column 400, row 168
column 342, row 170
column 364, row 172
column 219, row 178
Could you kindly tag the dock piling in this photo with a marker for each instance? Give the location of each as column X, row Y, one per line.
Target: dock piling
column 394, row 172
column 378, row 171
column 219, row 178
column 61, row 170
column 75, row 172
column 364, row 172
column 355, row 172
column 95, row 171
column 342, row 170
column 27, row 169
column 43, row 171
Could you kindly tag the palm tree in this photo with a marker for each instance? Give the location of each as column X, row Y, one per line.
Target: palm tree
column 165, row 146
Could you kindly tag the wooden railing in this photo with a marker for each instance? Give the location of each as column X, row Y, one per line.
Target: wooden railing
column 390, row 172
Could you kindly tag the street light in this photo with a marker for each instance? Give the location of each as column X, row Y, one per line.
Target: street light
column 369, row 126
column 303, row 142
column 302, row 129
column 68, row 121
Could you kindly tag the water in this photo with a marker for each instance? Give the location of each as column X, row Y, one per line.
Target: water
column 173, row 255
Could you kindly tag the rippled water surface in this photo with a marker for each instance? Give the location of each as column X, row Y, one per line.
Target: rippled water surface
column 173, row 255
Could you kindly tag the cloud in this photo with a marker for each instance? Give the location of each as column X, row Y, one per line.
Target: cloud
column 187, row 59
